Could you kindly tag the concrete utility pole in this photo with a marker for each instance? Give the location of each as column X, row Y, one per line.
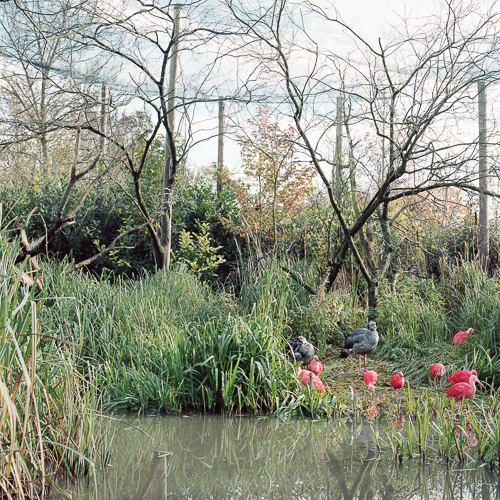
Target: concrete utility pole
column 484, row 223
column 169, row 169
column 104, row 114
column 337, row 170
column 220, row 151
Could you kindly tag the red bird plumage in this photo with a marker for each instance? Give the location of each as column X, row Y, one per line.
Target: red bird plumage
column 461, row 376
column 316, row 366
column 309, row 378
column 461, row 337
column 399, row 422
column 437, row 371
column 464, row 376
column 462, row 390
column 372, row 413
column 371, row 379
column 397, row 382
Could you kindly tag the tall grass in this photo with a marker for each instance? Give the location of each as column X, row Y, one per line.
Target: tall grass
column 418, row 319
column 169, row 342
column 47, row 425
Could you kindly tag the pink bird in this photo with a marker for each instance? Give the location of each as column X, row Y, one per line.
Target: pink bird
column 371, row 379
column 312, row 380
column 461, row 337
column 316, row 366
column 462, row 390
column 397, row 382
column 463, row 376
column 437, row 372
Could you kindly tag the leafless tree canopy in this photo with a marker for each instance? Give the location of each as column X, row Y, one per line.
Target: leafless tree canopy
column 409, row 98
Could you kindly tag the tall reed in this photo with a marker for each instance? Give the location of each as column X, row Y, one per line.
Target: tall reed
column 47, row 425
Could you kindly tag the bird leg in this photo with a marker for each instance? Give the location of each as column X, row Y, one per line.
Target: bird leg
column 359, row 363
column 365, row 365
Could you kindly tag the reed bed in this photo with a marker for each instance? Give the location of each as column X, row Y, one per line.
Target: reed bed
column 48, row 419
column 169, row 342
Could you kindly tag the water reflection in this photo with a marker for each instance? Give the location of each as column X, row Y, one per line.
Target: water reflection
column 248, row 458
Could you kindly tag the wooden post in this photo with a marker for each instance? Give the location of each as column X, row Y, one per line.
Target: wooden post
column 484, row 228
column 169, row 169
column 104, row 114
column 337, row 178
column 220, row 151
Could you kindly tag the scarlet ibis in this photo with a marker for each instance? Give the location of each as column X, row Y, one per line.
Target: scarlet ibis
column 371, row 379
column 437, row 372
column 309, row 378
column 463, row 376
column 316, row 366
column 462, row 390
column 469, row 431
column 397, row 382
column 299, row 349
column 461, row 337
column 361, row 342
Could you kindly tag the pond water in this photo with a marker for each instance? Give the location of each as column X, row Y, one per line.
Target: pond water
column 245, row 458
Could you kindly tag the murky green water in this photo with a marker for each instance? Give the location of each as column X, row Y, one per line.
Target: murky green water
column 249, row 458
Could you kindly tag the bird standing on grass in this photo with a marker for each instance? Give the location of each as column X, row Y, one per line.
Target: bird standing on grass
column 437, row 372
column 397, row 382
column 462, row 390
column 309, row 378
column 461, row 337
column 371, row 379
column 361, row 342
column 463, row 376
column 316, row 366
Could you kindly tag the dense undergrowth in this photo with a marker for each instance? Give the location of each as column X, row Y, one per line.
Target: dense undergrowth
column 170, row 342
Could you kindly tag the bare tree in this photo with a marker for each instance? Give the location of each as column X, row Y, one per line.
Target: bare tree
column 416, row 91
column 147, row 39
column 46, row 78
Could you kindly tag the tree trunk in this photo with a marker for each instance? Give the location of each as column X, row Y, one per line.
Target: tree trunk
column 372, row 300
column 484, row 228
column 170, row 165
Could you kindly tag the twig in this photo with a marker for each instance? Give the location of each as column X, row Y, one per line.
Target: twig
column 121, row 422
column 299, row 280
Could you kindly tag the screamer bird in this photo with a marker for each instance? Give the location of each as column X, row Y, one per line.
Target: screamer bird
column 361, row 342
